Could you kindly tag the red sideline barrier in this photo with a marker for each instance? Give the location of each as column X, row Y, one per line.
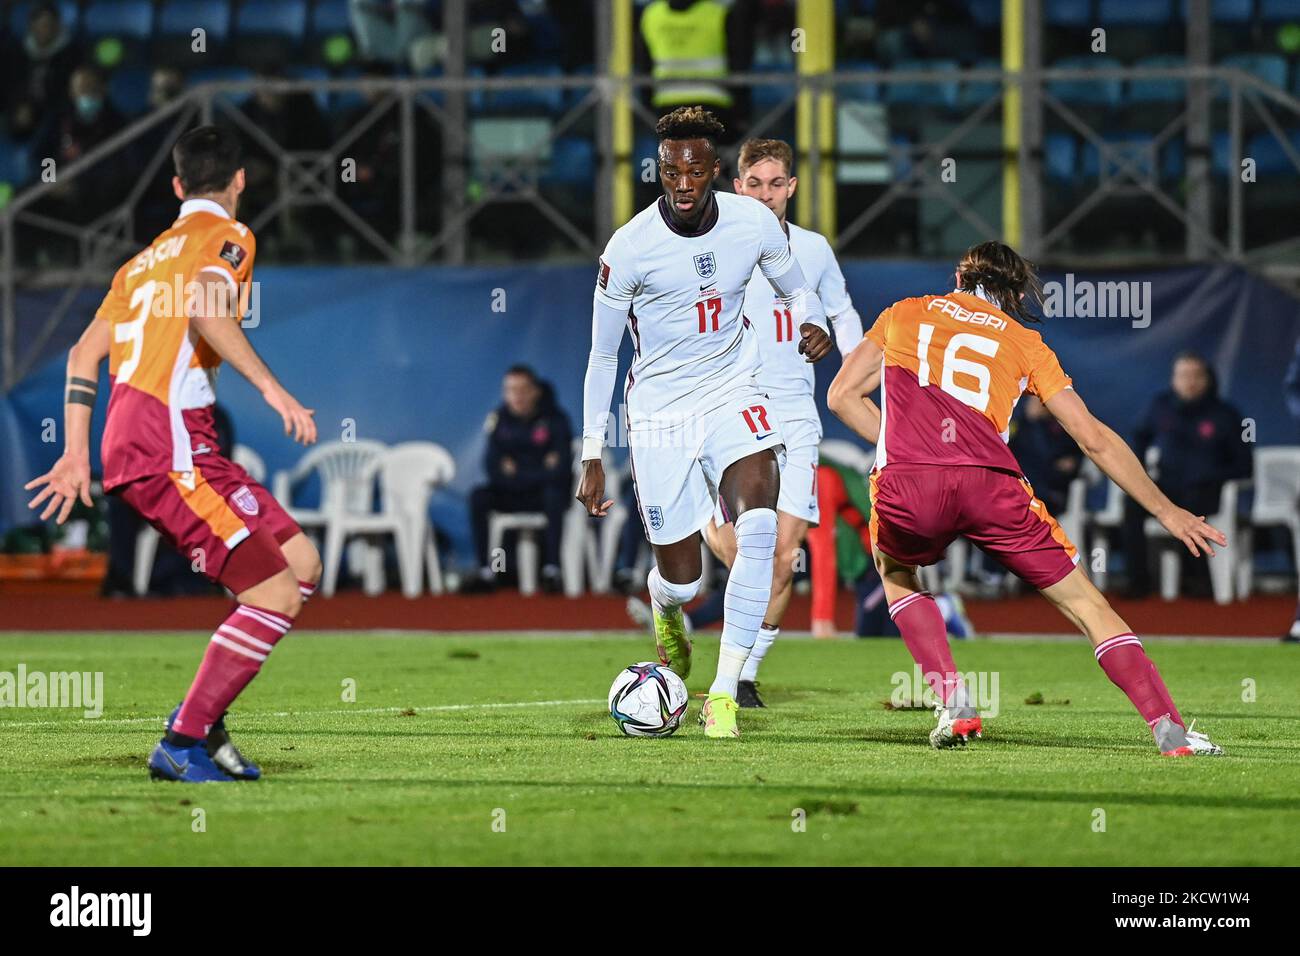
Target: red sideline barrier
column 1263, row 616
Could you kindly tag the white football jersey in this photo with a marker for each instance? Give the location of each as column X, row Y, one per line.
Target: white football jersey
column 785, row 376
column 684, row 297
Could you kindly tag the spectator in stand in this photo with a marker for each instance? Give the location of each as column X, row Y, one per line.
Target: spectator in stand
column 529, row 464
column 157, row 208
column 1048, row 456
column 295, row 123
column 1196, row 438
column 86, row 122
column 689, row 47
column 906, row 29
column 36, row 71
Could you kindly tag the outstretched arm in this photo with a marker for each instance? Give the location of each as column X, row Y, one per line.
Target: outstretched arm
column 223, row 332
column 602, row 367
column 850, row 392
column 69, row 479
column 1117, row 461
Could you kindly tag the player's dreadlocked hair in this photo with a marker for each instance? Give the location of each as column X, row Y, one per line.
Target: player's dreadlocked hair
column 690, row 122
column 1004, row 275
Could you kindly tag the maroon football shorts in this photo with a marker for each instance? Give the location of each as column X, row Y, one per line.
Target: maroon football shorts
column 918, row 510
column 211, row 512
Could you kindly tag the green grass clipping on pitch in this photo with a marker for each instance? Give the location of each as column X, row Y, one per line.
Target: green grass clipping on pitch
column 486, row 749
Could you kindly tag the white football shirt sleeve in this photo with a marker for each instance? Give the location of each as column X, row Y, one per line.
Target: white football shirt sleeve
column 616, row 284
column 834, row 294
column 783, row 272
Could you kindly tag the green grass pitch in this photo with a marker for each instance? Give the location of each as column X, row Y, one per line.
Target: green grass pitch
column 497, row 749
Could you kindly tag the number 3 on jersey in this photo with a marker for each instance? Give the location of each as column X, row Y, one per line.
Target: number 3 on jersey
column 977, row 398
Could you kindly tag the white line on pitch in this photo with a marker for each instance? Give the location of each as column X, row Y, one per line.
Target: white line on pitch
column 313, row 713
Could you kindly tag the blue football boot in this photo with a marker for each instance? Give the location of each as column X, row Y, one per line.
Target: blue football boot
column 223, row 752
column 185, row 764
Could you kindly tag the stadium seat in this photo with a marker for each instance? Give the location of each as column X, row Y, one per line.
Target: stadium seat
column 1266, row 66
column 182, row 17
column 128, row 89
column 573, row 160
column 929, row 93
column 1279, row 11
column 409, row 474
column 1161, row 89
column 974, row 93
column 122, row 18
column 1225, row 11
column 527, row 101
column 347, row 477
column 330, row 17
column 1082, row 91
column 1131, row 156
column 986, row 13
column 15, row 162
column 224, row 74
column 1156, row 13
column 1060, row 153
column 69, row 12
column 1277, row 487
column 1228, row 569
column 282, row 18
column 1069, row 13
column 1269, row 156
column 862, row 91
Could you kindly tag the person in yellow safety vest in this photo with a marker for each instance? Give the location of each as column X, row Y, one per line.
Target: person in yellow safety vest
column 688, row 46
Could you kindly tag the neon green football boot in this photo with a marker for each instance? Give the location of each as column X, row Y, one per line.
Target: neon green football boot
column 671, row 642
column 718, row 715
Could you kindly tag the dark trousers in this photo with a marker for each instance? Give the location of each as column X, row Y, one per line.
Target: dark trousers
column 1199, row 500
column 551, row 498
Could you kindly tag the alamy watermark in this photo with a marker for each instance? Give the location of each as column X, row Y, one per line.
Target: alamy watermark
column 982, row 689
column 1085, row 299
column 78, row 690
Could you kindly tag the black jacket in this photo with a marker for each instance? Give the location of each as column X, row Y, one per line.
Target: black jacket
column 1200, row 442
column 527, row 442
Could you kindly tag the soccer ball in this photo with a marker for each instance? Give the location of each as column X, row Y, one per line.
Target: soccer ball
column 647, row 700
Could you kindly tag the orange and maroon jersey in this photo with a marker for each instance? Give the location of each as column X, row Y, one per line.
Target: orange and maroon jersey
column 160, row 408
column 954, row 368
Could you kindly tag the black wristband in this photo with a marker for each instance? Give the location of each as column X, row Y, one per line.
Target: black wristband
column 89, row 383
column 76, row 397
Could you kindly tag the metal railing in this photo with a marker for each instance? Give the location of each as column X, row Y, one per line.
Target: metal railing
column 582, row 218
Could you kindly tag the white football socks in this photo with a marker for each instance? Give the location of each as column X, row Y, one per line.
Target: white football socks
column 666, row 596
column 766, row 637
column 748, row 589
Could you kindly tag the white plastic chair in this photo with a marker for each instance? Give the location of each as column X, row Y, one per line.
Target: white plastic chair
column 527, row 525
column 409, row 475
column 347, row 474
column 146, row 539
column 1103, row 525
column 587, row 554
column 250, row 461
column 1277, row 502
column 1225, row 566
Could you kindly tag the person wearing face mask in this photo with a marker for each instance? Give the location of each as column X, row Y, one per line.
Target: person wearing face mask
column 87, row 121
column 36, row 69
column 1197, row 438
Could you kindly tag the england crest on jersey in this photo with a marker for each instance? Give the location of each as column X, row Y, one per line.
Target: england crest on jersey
column 655, row 514
column 705, row 266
